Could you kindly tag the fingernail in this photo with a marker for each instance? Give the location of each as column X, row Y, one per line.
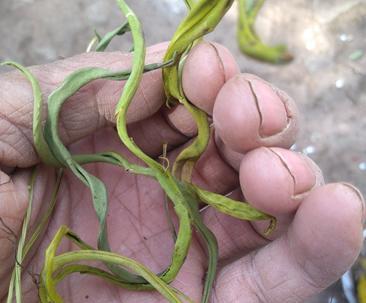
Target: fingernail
column 355, row 191
column 273, row 113
column 302, row 174
column 319, row 178
column 226, row 60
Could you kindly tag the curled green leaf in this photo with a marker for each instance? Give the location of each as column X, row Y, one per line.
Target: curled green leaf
column 234, row 208
column 104, row 42
column 53, row 263
column 39, row 142
column 248, row 40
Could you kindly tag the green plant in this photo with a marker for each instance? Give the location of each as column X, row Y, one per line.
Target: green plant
column 250, row 43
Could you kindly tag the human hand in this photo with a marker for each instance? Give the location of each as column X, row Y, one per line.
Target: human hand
column 319, row 231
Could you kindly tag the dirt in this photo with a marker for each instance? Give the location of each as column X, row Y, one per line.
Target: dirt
column 326, row 79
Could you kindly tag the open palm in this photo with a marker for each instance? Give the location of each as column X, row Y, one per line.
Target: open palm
column 304, row 256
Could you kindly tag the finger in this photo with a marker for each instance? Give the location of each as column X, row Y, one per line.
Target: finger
column 276, row 181
column 216, row 175
column 322, row 243
column 273, row 180
column 260, row 114
column 180, row 119
column 237, row 89
column 153, row 132
column 207, row 68
column 211, row 172
column 89, row 109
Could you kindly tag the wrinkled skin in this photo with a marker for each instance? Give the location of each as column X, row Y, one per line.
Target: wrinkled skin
column 319, row 232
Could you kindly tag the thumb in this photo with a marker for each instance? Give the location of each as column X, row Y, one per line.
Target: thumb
column 323, row 241
column 91, row 108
